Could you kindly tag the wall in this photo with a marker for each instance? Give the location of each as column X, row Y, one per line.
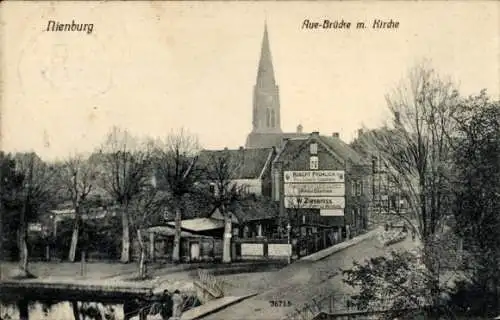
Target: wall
column 253, row 185
column 296, row 156
column 254, row 249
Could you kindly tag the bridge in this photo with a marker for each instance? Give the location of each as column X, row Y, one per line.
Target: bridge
column 133, row 296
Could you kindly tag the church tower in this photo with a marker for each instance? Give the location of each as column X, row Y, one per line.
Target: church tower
column 266, row 103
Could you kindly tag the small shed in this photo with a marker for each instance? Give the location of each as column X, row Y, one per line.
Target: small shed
column 194, row 247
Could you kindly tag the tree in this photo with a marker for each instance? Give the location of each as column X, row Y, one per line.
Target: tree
column 417, row 153
column 36, row 195
column 144, row 208
column 176, row 159
column 476, row 145
column 11, row 183
column 124, row 172
column 221, row 168
column 77, row 177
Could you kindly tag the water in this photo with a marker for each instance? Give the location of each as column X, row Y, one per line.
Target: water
column 86, row 310
column 64, row 310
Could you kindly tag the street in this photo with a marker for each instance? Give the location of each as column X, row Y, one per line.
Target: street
column 302, row 281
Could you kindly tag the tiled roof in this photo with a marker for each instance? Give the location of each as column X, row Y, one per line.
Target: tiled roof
column 343, row 150
column 258, row 209
column 248, row 163
column 267, row 140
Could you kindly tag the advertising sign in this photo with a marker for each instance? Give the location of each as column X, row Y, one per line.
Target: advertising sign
column 327, row 176
column 315, row 202
column 315, row 189
column 252, row 249
column 279, row 249
column 332, row 212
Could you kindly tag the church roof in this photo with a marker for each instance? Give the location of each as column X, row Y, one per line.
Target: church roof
column 265, row 74
column 248, row 163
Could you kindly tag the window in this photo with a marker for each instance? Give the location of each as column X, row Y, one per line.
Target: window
column 314, row 148
column 353, row 188
column 313, row 163
column 359, row 190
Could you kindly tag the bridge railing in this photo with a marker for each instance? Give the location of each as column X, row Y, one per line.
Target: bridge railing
column 211, row 282
column 334, row 304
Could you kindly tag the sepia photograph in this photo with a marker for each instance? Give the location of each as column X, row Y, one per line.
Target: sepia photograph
column 260, row 160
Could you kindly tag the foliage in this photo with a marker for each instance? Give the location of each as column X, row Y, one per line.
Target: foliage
column 394, row 282
column 101, row 236
column 477, row 188
column 10, row 187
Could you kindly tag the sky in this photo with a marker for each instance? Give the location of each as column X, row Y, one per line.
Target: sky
column 156, row 67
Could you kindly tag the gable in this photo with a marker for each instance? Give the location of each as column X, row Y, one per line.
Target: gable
column 296, row 155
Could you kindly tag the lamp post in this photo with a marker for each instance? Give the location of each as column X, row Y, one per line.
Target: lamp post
column 288, row 229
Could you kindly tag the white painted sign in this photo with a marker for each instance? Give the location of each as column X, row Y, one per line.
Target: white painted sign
column 35, row 226
column 315, row 202
column 279, row 249
column 252, row 249
column 332, row 212
column 314, row 176
column 314, row 189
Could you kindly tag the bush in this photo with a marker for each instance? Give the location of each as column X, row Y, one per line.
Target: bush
column 100, row 237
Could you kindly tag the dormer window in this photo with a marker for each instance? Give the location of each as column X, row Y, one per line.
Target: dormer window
column 314, row 148
column 313, row 163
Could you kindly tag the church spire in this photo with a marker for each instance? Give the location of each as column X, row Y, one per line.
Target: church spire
column 266, row 103
column 265, row 74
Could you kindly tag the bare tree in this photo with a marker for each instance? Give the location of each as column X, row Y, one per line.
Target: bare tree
column 144, row 208
column 416, row 153
column 125, row 170
column 37, row 187
column 77, row 177
column 176, row 158
column 221, row 169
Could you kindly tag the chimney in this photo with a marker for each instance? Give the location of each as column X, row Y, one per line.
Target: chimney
column 299, row 128
column 360, row 132
column 225, row 149
column 397, row 118
column 335, row 134
column 241, row 148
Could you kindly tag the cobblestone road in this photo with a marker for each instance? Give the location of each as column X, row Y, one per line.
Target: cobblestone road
column 302, row 281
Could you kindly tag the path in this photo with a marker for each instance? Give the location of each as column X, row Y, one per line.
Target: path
column 303, row 280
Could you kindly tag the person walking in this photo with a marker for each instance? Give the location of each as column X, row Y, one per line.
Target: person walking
column 177, row 302
column 166, row 305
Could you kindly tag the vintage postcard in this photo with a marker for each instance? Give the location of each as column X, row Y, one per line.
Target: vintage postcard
column 242, row 160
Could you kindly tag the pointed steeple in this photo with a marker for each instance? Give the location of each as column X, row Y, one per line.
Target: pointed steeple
column 265, row 74
column 266, row 103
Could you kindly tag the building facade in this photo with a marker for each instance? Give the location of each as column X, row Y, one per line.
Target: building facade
column 322, row 184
